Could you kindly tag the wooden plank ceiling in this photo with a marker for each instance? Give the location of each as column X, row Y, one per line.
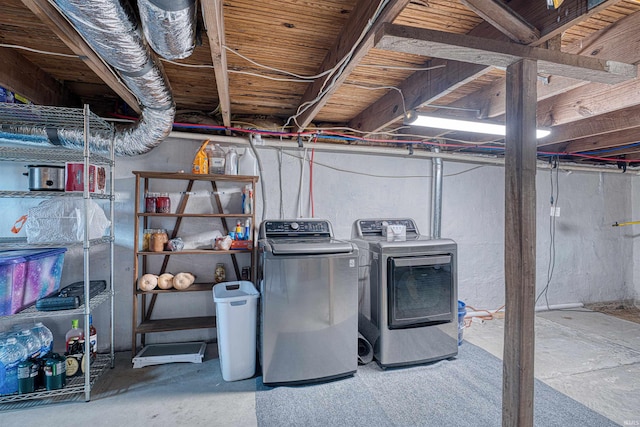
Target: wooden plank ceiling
column 244, row 47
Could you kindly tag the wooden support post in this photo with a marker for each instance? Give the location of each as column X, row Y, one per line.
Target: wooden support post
column 520, row 244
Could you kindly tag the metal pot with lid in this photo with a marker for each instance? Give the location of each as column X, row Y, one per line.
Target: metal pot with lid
column 45, row 178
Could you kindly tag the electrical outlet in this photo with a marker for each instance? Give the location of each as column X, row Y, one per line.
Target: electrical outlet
column 555, row 211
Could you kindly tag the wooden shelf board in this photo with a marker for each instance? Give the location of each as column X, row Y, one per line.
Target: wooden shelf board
column 198, row 252
column 198, row 177
column 177, row 324
column 196, row 287
column 196, row 215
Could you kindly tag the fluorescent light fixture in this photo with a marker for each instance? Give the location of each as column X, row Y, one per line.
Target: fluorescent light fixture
column 415, row 119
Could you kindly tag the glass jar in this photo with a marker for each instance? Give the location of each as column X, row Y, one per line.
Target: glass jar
column 150, row 202
column 158, row 239
column 220, row 274
column 163, row 203
column 146, row 239
column 246, row 273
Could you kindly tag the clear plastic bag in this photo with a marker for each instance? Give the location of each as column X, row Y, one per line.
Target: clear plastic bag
column 62, row 220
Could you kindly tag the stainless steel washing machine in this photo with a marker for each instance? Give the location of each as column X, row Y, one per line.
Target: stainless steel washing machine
column 408, row 292
column 309, row 302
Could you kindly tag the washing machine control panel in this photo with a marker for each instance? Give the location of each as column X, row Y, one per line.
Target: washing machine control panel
column 297, row 227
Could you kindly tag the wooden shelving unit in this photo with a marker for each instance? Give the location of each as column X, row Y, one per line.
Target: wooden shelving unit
column 144, row 319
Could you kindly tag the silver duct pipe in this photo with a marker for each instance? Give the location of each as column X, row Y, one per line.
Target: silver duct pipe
column 169, row 26
column 436, row 196
column 112, row 32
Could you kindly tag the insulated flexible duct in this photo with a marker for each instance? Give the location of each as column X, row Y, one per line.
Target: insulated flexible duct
column 112, row 32
column 169, row 26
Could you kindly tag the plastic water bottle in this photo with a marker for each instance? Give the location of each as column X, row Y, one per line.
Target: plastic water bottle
column 29, row 341
column 231, row 162
column 46, row 338
column 11, row 354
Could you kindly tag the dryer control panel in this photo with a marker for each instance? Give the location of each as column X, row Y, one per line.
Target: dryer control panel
column 373, row 227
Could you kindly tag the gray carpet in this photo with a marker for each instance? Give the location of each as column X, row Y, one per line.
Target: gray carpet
column 466, row 391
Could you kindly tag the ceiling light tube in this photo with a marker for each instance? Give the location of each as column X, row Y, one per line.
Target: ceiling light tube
column 415, row 119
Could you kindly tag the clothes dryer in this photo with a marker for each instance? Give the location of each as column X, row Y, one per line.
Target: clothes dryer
column 407, row 293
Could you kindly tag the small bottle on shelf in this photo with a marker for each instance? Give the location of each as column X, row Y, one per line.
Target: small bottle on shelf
column 247, row 229
column 239, row 231
column 93, row 338
column 72, row 333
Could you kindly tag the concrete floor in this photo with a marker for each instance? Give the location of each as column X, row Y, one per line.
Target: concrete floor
column 592, row 357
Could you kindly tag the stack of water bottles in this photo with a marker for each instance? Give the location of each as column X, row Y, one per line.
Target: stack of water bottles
column 24, row 352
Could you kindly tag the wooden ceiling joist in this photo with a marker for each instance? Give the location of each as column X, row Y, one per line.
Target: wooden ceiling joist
column 419, row 89
column 317, row 93
column 21, row 76
column 601, row 142
column 49, row 15
column 385, row 111
column 588, row 101
column 497, row 53
column 212, row 11
column 614, row 43
column 504, row 19
column 600, row 125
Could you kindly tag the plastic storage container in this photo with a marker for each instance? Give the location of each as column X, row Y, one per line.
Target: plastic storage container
column 236, row 314
column 27, row 275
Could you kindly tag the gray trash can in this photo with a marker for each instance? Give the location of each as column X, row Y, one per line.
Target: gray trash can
column 236, row 318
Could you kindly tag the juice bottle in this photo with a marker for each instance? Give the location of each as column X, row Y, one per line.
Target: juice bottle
column 72, row 333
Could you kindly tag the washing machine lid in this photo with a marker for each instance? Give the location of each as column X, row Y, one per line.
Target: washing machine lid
column 308, row 246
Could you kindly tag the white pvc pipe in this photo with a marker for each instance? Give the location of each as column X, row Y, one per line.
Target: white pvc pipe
column 395, row 152
column 559, row 306
column 538, row 309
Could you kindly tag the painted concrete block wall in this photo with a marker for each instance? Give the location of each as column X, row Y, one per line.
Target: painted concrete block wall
column 632, row 233
column 593, row 260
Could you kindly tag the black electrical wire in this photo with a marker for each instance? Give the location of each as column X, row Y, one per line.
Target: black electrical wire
column 552, row 230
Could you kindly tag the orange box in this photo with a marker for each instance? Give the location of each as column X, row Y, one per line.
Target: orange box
column 242, row 244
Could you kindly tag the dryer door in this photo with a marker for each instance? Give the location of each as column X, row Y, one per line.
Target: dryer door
column 420, row 291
